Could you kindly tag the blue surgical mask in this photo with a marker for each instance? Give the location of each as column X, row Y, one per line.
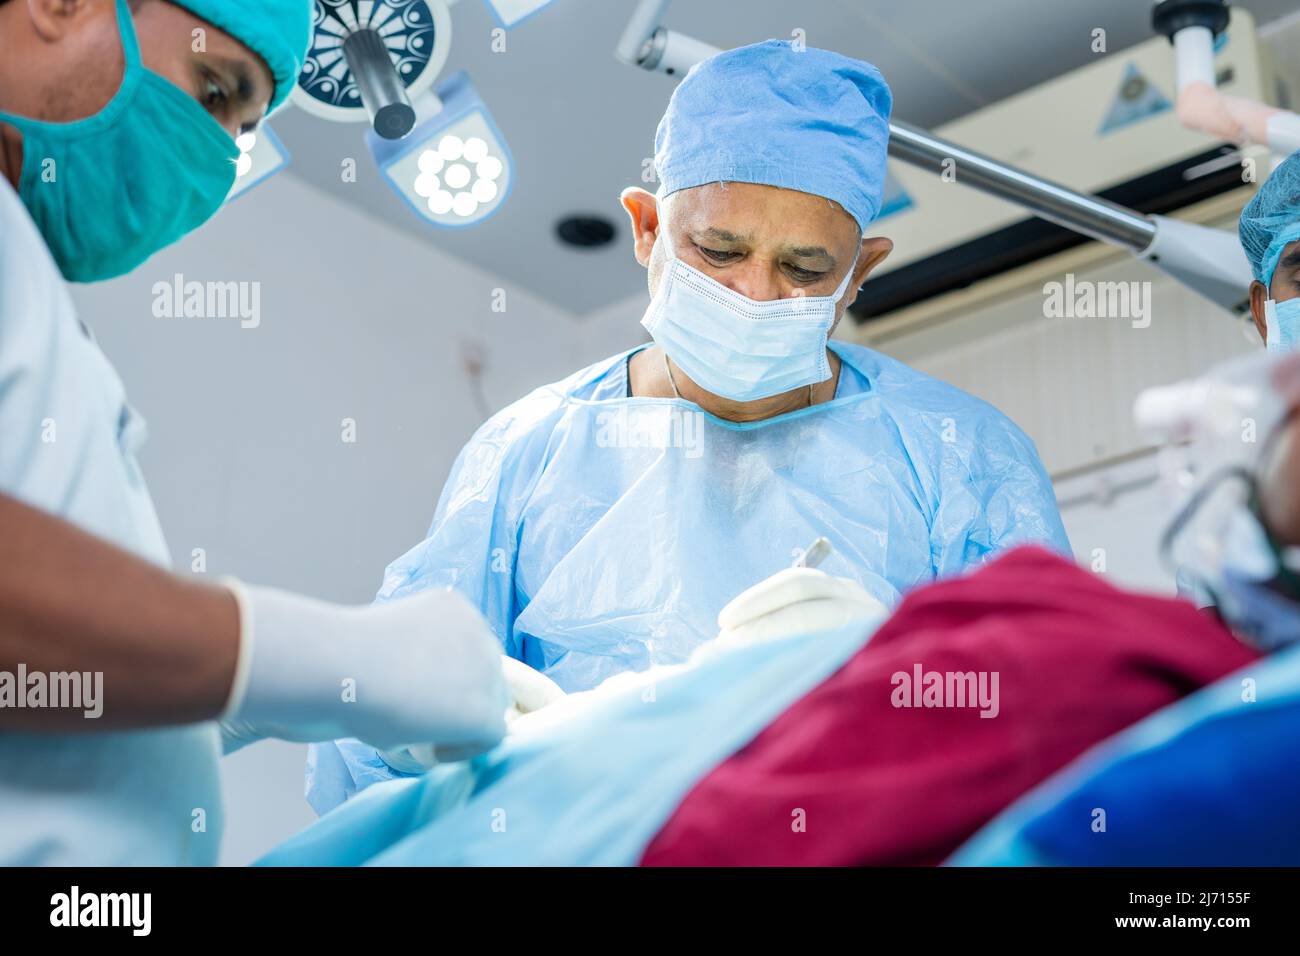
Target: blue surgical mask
column 108, row 191
column 1282, row 323
column 734, row 346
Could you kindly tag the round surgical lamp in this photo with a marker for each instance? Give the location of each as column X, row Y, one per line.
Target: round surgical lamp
column 455, row 169
column 369, row 59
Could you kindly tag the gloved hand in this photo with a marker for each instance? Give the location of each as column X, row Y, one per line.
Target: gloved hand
column 424, row 668
column 529, row 690
column 795, row 601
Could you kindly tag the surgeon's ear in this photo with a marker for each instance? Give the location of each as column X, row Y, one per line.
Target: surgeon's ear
column 1258, row 296
column 54, row 19
column 643, row 209
column 874, row 251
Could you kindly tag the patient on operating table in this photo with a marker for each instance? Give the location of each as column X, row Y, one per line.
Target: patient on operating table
column 885, row 767
column 788, row 757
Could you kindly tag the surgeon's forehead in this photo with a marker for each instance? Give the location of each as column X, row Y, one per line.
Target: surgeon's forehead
column 754, row 214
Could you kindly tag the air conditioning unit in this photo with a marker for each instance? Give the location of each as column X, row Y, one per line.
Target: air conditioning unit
column 1108, row 128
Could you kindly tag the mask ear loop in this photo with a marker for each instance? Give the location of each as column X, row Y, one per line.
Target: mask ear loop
column 126, row 33
column 662, row 234
column 661, row 202
column 853, row 267
column 131, row 60
column 1272, row 330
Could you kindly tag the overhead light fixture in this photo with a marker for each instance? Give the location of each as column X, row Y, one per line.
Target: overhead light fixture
column 455, row 168
column 261, row 155
column 510, row 13
column 370, row 59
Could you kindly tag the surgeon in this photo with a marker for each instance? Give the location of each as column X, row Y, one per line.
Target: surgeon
column 117, row 137
column 602, row 522
column 1270, row 235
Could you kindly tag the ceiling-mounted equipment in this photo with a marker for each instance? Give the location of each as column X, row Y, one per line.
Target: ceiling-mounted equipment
column 370, row 59
column 1108, row 131
column 455, row 169
column 1197, row 29
column 646, row 44
column 511, row 13
column 1171, row 17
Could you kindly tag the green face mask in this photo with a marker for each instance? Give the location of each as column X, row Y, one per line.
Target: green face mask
column 109, row 191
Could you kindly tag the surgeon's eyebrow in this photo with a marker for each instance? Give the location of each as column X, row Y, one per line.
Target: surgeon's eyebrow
column 820, row 252
column 722, row 235
column 244, row 81
column 799, row 252
column 1291, row 259
column 247, row 89
column 811, row 252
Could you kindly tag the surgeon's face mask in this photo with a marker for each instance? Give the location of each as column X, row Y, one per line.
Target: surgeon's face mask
column 1282, row 324
column 108, row 191
column 734, row 346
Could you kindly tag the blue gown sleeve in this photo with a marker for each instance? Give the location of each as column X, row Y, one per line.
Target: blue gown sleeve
column 993, row 493
column 470, row 546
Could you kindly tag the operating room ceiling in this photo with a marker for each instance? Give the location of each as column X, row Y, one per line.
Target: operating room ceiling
column 581, row 124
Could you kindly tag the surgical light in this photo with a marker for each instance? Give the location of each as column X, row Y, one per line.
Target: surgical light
column 370, row 59
column 455, row 168
column 261, row 155
column 510, row 13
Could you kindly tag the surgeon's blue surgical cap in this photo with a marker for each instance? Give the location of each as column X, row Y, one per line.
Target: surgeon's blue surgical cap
column 279, row 31
column 772, row 114
column 1271, row 220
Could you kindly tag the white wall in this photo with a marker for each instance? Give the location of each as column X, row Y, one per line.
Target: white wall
column 1115, row 516
column 616, row 327
column 245, row 456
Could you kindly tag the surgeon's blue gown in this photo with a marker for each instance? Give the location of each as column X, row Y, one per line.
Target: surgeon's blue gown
column 600, row 533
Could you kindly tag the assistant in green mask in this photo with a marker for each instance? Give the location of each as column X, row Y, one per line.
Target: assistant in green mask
column 108, row 191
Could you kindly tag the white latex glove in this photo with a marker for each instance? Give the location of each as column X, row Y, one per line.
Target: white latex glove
column 795, row 601
column 424, row 668
column 529, row 690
